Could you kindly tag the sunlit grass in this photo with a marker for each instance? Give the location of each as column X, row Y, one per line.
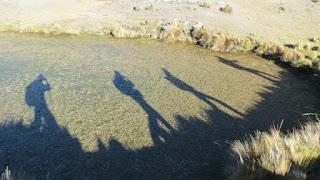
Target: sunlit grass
column 274, row 153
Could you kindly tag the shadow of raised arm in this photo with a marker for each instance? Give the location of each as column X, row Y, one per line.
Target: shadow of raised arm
column 204, row 97
column 126, row 87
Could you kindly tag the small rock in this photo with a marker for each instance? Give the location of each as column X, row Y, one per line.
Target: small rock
column 226, row 9
column 136, row 8
column 313, row 39
column 282, row 8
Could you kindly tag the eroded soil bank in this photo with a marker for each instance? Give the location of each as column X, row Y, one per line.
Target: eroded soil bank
column 136, row 108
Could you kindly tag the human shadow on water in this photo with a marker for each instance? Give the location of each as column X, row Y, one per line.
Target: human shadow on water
column 203, row 97
column 35, row 97
column 234, row 64
column 197, row 148
column 191, row 150
column 46, row 150
column 43, row 150
column 158, row 134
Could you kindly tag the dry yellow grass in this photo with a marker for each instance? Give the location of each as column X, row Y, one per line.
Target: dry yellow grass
column 6, row 175
column 226, row 9
column 274, row 153
column 205, row 5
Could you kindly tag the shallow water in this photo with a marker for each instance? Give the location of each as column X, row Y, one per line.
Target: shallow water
column 145, row 95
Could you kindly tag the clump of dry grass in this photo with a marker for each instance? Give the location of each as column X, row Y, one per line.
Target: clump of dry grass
column 6, row 175
column 205, row 5
column 273, row 153
column 296, row 58
column 123, row 32
column 292, row 56
column 174, row 32
column 226, row 9
column 220, row 42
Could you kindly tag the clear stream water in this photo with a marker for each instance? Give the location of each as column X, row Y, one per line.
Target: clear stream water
column 124, row 109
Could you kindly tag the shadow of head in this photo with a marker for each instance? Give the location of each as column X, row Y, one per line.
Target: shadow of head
column 176, row 81
column 124, row 85
column 35, row 91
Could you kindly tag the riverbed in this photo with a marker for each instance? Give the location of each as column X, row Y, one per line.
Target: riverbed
column 171, row 108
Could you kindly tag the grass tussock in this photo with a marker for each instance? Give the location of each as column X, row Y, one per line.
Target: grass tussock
column 6, row 175
column 220, row 42
column 204, row 5
column 285, row 54
column 295, row 155
column 226, row 9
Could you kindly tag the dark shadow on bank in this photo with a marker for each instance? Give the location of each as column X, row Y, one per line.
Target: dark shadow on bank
column 197, row 149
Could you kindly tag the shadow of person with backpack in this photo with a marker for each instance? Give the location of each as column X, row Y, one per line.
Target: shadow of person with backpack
column 35, row 97
column 158, row 134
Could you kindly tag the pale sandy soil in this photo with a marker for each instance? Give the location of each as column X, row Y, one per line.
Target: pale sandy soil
column 297, row 22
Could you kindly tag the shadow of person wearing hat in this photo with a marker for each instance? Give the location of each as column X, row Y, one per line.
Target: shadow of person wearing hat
column 35, row 97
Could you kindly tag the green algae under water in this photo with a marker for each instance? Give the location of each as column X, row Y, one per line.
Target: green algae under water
column 175, row 80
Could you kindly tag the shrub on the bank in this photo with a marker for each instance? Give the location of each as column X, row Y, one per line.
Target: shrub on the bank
column 268, row 154
column 292, row 56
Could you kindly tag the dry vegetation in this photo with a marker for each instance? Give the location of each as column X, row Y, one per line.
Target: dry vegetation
column 306, row 56
column 204, row 5
column 6, row 175
column 274, row 154
column 226, row 9
column 300, row 55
